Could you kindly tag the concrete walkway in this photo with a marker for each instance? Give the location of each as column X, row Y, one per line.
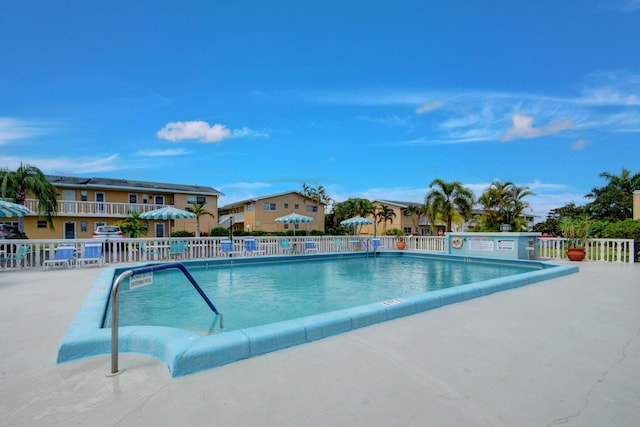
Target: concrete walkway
column 562, row 352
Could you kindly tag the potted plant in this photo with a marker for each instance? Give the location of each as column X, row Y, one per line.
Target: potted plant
column 400, row 242
column 576, row 231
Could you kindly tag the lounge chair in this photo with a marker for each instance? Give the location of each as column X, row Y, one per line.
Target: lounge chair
column 149, row 251
column 376, row 244
column 19, row 258
column 92, row 254
column 310, row 246
column 226, row 248
column 64, row 254
column 337, row 243
column 286, row 247
column 177, row 249
column 251, row 247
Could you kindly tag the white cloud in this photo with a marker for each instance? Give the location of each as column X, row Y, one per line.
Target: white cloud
column 64, row 165
column 199, row 130
column 523, row 128
column 631, row 6
column 163, row 153
column 429, row 106
column 14, row 129
column 580, row 144
column 246, row 132
column 393, row 120
column 204, row 132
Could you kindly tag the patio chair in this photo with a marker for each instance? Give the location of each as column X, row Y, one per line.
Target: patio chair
column 337, row 243
column 91, row 254
column 376, row 244
column 177, row 249
column 149, row 251
column 64, row 254
column 19, row 258
column 226, row 247
column 286, row 247
column 251, row 247
column 310, row 246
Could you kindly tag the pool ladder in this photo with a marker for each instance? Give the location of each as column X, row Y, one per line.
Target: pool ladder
column 114, row 303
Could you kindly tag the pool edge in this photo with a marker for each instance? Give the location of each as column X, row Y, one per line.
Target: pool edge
column 185, row 352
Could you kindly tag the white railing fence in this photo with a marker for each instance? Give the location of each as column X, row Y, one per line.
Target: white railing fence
column 79, row 208
column 127, row 250
column 601, row 250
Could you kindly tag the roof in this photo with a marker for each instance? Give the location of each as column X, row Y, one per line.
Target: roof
column 397, row 203
column 256, row 199
column 125, row 184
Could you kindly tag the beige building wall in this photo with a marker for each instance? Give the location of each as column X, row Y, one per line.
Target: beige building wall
column 636, row 204
column 84, row 224
column 260, row 213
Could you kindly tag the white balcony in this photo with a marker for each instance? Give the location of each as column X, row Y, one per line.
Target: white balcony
column 96, row 209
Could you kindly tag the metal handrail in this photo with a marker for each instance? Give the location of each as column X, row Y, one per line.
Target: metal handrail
column 114, row 303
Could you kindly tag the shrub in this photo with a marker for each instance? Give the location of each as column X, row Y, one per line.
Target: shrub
column 219, row 232
column 182, row 233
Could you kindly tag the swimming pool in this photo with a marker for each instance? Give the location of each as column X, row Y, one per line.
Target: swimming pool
column 250, row 328
column 256, row 294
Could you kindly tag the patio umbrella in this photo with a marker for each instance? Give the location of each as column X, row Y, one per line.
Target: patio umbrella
column 10, row 210
column 294, row 218
column 356, row 221
column 167, row 213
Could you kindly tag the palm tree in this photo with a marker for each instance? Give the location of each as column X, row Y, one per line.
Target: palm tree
column 614, row 201
column 503, row 204
column 29, row 179
column 450, row 199
column 318, row 195
column 198, row 210
column 384, row 214
column 133, row 225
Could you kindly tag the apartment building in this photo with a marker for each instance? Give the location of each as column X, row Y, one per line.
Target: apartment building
column 85, row 203
column 260, row 213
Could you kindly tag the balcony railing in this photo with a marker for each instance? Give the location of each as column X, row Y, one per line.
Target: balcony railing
column 100, row 209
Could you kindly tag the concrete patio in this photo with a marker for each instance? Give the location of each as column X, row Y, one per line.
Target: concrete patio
column 561, row 352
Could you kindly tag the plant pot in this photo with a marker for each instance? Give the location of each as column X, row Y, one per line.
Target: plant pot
column 401, row 245
column 576, row 254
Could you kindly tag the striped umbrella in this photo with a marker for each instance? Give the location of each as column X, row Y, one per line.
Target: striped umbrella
column 356, row 221
column 10, row 210
column 294, row 218
column 167, row 213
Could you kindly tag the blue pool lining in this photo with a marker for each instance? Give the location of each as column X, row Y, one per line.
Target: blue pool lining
column 185, row 352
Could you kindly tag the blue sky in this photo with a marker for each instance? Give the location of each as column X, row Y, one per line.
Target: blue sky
column 369, row 99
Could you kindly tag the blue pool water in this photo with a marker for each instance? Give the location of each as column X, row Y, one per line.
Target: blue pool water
column 274, row 302
column 251, row 295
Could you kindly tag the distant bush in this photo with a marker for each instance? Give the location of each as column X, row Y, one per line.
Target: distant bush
column 182, row 233
column 627, row 229
column 219, row 232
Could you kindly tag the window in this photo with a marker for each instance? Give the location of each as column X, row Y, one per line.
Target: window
column 296, row 206
column 83, row 226
column 145, row 198
column 42, row 224
column 266, row 206
column 158, row 200
column 407, row 230
column 286, row 226
column 249, row 207
column 312, row 208
column 133, row 198
column 199, row 200
column 286, row 205
column 83, row 196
